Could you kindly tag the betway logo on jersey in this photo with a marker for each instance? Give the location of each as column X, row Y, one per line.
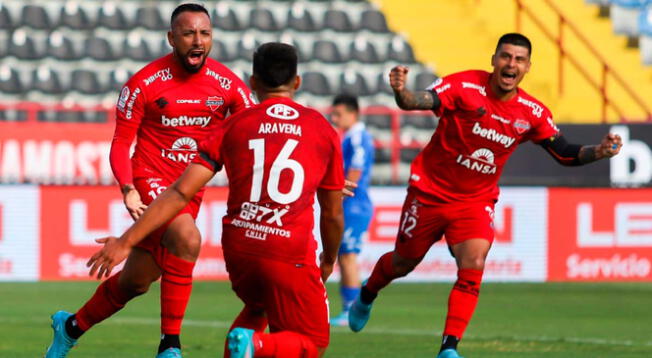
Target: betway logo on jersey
column 493, row 135
column 224, row 82
column 481, row 161
column 182, row 121
column 480, row 89
column 536, row 109
column 163, row 74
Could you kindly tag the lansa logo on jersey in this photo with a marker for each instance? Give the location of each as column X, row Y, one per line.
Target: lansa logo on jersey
column 183, row 121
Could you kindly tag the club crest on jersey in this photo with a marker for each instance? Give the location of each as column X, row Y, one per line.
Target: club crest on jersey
column 214, row 102
column 521, row 126
column 282, row 111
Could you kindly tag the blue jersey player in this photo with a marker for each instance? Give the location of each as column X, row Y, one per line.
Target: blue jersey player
column 358, row 153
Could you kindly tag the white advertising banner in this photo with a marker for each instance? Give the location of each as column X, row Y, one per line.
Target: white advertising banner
column 519, row 252
column 19, row 233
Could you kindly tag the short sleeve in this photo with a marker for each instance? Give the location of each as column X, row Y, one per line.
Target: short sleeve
column 446, row 89
column 240, row 95
column 543, row 127
column 209, row 152
column 334, row 177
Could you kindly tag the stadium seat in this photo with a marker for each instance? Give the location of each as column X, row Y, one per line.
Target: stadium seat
column 74, row 17
column 150, row 17
column 326, row 51
column 246, row 47
column 6, row 21
column 61, row 47
column 363, row 51
column 382, row 155
column 117, row 79
column 85, row 82
column 315, row 83
column 423, row 79
column 407, row 155
column 400, row 51
column 9, row 81
column 46, row 80
column 380, row 126
column 382, row 84
column 23, row 46
column 112, row 17
column 13, row 115
column 262, row 19
column 36, row 17
column 136, row 48
column 373, row 20
column 353, row 83
column 300, row 19
column 220, row 51
column 337, row 20
column 99, row 49
column 163, row 48
column 624, row 16
column 224, row 18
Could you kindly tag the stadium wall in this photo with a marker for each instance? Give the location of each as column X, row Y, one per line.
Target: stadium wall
column 542, row 234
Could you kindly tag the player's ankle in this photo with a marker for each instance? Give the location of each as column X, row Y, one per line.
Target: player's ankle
column 169, row 341
column 367, row 297
column 449, row 342
column 72, row 328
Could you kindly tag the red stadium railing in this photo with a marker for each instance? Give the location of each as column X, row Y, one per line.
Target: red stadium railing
column 29, row 121
column 599, row 85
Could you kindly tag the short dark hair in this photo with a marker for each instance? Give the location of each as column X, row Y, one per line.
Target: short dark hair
column 275, row 64
column 188, row 7
column 348, row 100
column 514, row 38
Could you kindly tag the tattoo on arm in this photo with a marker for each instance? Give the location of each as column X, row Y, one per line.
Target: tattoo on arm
column 588, row 154
column 415, row 100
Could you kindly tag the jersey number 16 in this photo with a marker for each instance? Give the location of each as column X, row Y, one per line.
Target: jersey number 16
column 282, row 162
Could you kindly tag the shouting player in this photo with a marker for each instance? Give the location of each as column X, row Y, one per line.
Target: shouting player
column 277, row 156
column 453, row 182
column 358, row 153
column 171, row 105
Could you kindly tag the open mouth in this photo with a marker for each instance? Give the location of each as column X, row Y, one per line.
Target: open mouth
column 508, row 77
column 195, row 57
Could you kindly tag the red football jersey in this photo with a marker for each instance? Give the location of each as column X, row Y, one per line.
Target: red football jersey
column 276, row 155
column 475, row 136
column 171, row 110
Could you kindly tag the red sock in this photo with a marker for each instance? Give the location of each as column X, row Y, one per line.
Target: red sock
column 176, row 286
column 462, row 301
column 108, row 299
column 382, row 274
column 284, row 344
column 247, row 319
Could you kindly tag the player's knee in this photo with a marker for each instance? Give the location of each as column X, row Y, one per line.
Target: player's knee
column 402, row 266
column 473, row 262
column 184, row 243
column 134, row 288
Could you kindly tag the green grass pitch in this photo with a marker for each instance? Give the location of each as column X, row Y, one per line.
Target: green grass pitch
column 512, row 320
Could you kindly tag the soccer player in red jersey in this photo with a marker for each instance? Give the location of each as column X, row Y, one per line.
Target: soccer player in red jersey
column 454, row 180
column 170, row 106
column 278, row 155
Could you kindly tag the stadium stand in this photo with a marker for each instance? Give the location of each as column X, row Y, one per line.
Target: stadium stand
column 79, row 53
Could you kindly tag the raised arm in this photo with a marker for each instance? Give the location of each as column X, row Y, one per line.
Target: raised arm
column 569, row 154
column 406, row 99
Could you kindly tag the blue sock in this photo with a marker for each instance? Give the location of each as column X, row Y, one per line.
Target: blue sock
column 348, row 296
